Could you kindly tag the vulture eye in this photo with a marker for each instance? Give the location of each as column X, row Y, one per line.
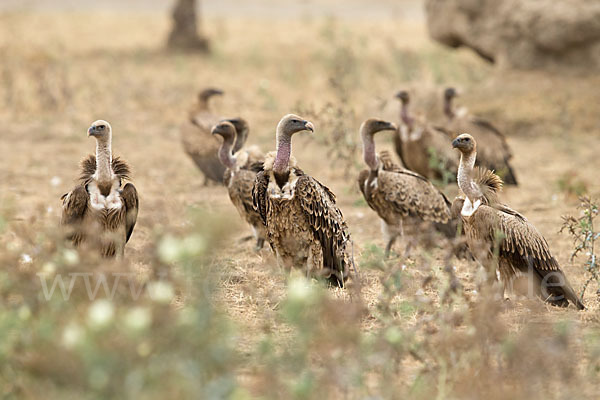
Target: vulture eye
column 295, row 121
column 100, row 127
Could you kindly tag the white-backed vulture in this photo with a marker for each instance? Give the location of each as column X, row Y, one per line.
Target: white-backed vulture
column 240, row 176
column 197, row 140
column 492, row 228
column 253, row 154
column 304, row 226
column 396, row 193
column 422, row 147
column 99, row 210
column 494, row 152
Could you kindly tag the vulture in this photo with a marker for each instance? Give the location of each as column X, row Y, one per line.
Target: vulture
column 100, row 210
column 240, row 176
column 397, row 193
column 495, row 230
column 197, row 140
column 494, row 152
column 305, row 228
column 424, row 148
column 254, row 153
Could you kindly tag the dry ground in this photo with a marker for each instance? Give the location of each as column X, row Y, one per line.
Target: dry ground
column 60, row 72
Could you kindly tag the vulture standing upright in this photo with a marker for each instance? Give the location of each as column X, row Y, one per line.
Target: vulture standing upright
column 494, row 152
column 495, row 230
column 100, row 211
column 197, row 140
column 423, row 148
column 304, row 226
column 240, row 176
column 396, row 193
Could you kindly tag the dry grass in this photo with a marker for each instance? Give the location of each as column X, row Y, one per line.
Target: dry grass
column 392, row 336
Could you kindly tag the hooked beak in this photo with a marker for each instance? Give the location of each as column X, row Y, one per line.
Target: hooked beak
column 92, row 131
column 402, row 96
column 309, row 126
column 393, row 126
column 455, row 143
column 215, row 130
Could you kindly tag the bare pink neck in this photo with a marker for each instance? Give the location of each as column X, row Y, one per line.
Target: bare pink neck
column 225, row 156
column 369, row 154
column 448, row 110
column 405, row 116
column 284, row 151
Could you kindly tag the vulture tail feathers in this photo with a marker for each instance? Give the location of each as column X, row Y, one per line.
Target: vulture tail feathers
column 559, row 290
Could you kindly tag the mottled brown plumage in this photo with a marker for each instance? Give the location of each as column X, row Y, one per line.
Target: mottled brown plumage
column 422, row 147
column 197, row 140
column 493, row 150
column 522, row 251
column 240, row 176
column 396, row 193
column 99, row 210
column 304, row 226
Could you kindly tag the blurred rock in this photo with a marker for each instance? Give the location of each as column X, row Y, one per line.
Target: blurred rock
column 522, row 34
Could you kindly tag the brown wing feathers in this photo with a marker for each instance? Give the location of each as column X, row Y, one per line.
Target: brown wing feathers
column 326, row 220
column 259, row 195
column 132, row 204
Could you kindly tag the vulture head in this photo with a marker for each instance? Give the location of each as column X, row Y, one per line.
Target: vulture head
column 403, row 96
column 369, row 128
column 450, row 93
column 241, row 129
column 464, row 143
column 291, row 124
column 207, row 93
column 100, row 130
column 226, row 130
column 374, row 125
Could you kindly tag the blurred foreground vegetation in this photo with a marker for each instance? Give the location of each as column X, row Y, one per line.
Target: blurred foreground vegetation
column 159, row 333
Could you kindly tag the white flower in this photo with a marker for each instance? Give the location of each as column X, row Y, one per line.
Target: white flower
column 161, row 291
column 138, row 318
column 72, row 335
column 71, row 257
column 299, row 289
column 48, row 268
column 55, row 181
column 24, row 312
column 100, row 313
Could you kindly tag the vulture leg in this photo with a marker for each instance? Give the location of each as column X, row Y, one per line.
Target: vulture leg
column 391, row 233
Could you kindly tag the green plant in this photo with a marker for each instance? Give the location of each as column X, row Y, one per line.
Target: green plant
column 584, row 236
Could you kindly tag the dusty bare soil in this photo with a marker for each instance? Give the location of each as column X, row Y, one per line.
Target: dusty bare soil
column 68, row 72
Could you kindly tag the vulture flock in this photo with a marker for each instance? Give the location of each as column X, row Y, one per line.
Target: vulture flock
column 298, row 215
